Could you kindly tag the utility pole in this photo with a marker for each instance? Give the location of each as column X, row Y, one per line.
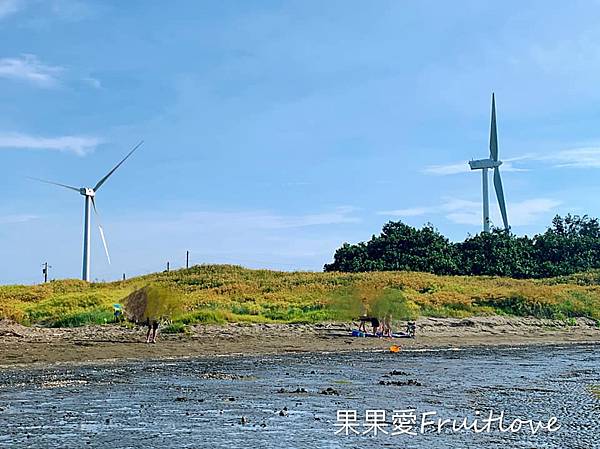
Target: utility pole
column 187, row 259
column 45, row 271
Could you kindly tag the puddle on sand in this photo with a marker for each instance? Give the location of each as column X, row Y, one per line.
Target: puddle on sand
column 255, row 401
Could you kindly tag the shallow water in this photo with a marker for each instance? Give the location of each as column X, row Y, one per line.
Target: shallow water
column 200, row 403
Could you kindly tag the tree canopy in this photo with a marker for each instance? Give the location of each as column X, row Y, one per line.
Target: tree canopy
column 571, row 244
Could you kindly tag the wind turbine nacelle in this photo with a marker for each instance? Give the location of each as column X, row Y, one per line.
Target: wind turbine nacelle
column 484, row 163
column 86, row 191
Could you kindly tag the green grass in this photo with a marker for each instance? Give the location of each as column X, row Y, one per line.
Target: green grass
column 216, row 294
column 175, row 328
column 96, row 316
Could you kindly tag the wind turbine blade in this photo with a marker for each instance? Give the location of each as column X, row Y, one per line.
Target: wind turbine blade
column 493, row 133
column 101, row 231
column 54, row 183
column 500, row 196
column 103, row 180
column 104, row 243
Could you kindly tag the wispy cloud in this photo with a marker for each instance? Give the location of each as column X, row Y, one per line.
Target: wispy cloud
column 8, row 7
column 463, row 167
column 69, row 10
column 79, row 145
column 520, row 213
column 410, row 212
column 468, row 212
column 93, row 82
column 73, row 10
column 267, row 220
column 577, row 53
column 582, row 157
column 529, row 211
column 579, row 157
column 448, row 169
column 257, row 238
column 463, row 211
column 19, row 218
column 585, row 157
column 29, row 68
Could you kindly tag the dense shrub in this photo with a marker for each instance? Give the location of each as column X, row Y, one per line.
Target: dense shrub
column 570, row 245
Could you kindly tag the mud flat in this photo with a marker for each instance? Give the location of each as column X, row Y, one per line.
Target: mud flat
column 291, row 400
column 24, row 346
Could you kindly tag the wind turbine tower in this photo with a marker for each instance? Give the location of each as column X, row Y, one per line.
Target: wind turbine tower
column 89, row 193
column 491, row 163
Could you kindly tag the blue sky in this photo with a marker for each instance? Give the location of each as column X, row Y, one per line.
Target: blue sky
column 276, row 130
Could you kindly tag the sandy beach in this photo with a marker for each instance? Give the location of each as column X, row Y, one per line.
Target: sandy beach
column 20, row 345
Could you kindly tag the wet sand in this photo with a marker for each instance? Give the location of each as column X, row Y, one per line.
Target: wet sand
column 291, row 400
column 27, row 346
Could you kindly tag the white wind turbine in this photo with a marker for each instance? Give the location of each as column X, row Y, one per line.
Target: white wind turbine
column 491, row 162
column 89, row 194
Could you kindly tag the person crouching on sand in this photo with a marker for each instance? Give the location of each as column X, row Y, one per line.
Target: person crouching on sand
column 387, row 325
column 152, row 328
column 375, row 323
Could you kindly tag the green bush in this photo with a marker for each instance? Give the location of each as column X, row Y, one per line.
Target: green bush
column 570, row 245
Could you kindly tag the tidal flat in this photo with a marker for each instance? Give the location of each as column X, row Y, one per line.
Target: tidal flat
column 291, row 400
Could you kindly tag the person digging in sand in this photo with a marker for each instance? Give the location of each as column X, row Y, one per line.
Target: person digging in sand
column 149, row 305
column 152, row 328
column 387, row 325
column 364, row 318
column 376, row 324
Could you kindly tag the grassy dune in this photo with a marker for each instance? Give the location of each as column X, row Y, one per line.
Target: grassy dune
column 225, row 293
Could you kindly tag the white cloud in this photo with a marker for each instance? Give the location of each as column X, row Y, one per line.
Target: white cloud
column 463, row 167
column 93, row 82
column 467, row 212
column 528, row 211
column 29, row 68
column 258, row 238
column 267, row 220
column 582, row 157
column 72, row 10
column 12, row 219
column 585, row 157
column 520, row 213
column 410, row 212
column 448, row 169
column 463, row 211
column 8, row 7
column 509, row 167
column 79, row 145
column 577, row 54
